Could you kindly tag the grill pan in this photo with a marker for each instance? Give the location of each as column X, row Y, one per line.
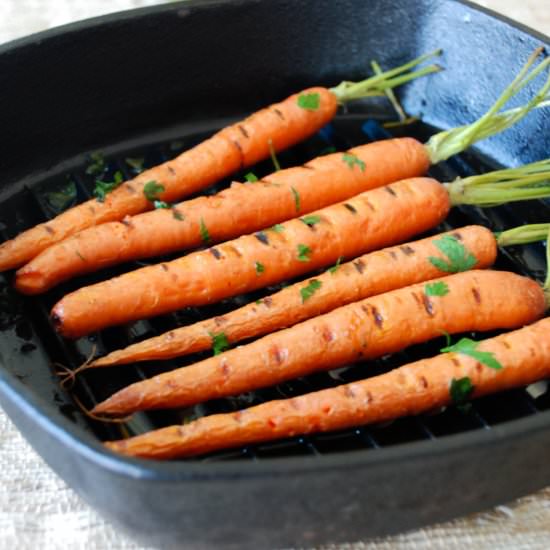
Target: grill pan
column 152, row 82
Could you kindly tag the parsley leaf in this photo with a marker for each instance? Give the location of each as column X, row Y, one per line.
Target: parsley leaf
column 336, row 266
column 461, row 389
column 161, row 204
column 103, row 187
column 260, row 268
column 352, row 160
column 310, row 102
column 311, row 220
column 303, row 252
column 251, row 177
column 327, row 150
column 308, row 291
column 97, row 166
column 459, row 258
column 296, row 199
column 152, row 190
column 439, row 288
column 447, row 337
column 274, row 159
column 466, row 346
column 176, row 145
column 278, row 228
column 135, row 163
column 205, row 236
column 61, row 196
column 219, row 342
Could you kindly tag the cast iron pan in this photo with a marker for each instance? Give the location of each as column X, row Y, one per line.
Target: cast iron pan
column 151, row 82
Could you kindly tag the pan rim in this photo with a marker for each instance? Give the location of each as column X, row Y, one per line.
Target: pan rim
column 76, row 439
column 36, row 38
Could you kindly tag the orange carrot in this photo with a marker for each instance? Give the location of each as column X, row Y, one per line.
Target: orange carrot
column 245, row 208
column 369, row 221
column 234, row 147
column 345, row 229
column 475, row 300
column 524, row 357
column 241, row 209
column 368, row 275
column 242, row 144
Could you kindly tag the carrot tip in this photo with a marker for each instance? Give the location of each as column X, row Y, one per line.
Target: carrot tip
column 95, row 411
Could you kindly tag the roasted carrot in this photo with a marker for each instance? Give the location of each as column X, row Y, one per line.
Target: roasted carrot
column 242, row 144
column 370, row 220
column 523, row 357
column 373, row 219
column 246, row 208
column 475, row 300
column 368, row 275
column 241, row 209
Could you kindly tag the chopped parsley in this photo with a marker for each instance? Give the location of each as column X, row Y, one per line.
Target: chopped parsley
column 303, row 252
column 309, row 102
column 176, row 145
column 466, row 346
column 296, row 199
column 328, row 150
column 459, row 258
column 251, row 177
column 103, row 187
column 311, row 220
column 278, row 228
column 97, row 165
column 135, row 163
column 205, row 236
column 352, row 160
column 308, row 291
column 161, row 204
column 152, row 190
column 219, row 342
column 461, row 389
column 439, row 288
column 260, row 268
column 273, row 155
column 336, row 266
column 61, row 196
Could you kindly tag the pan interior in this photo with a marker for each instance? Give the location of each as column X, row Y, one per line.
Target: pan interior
column 32, row 351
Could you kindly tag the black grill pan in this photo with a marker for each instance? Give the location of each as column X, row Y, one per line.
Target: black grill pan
column 150, row 83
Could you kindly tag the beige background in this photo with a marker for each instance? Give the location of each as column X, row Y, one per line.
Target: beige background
column 37, row 510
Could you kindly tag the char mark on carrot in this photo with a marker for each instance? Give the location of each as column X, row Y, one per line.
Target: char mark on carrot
column 351, row 208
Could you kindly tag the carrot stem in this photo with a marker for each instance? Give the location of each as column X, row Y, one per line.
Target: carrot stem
column 509, row 174
column 524, row 234
column 528, row 234
column 377, row 85
column 390, row 94
column 403, row 119
column 445, row 144
column 531, row 181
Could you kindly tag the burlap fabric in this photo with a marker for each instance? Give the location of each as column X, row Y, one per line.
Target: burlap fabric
column 37, row 509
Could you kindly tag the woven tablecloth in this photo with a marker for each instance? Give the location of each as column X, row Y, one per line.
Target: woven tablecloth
column 37, row 509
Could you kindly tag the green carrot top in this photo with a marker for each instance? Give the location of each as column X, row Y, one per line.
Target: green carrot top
column 447, row 143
